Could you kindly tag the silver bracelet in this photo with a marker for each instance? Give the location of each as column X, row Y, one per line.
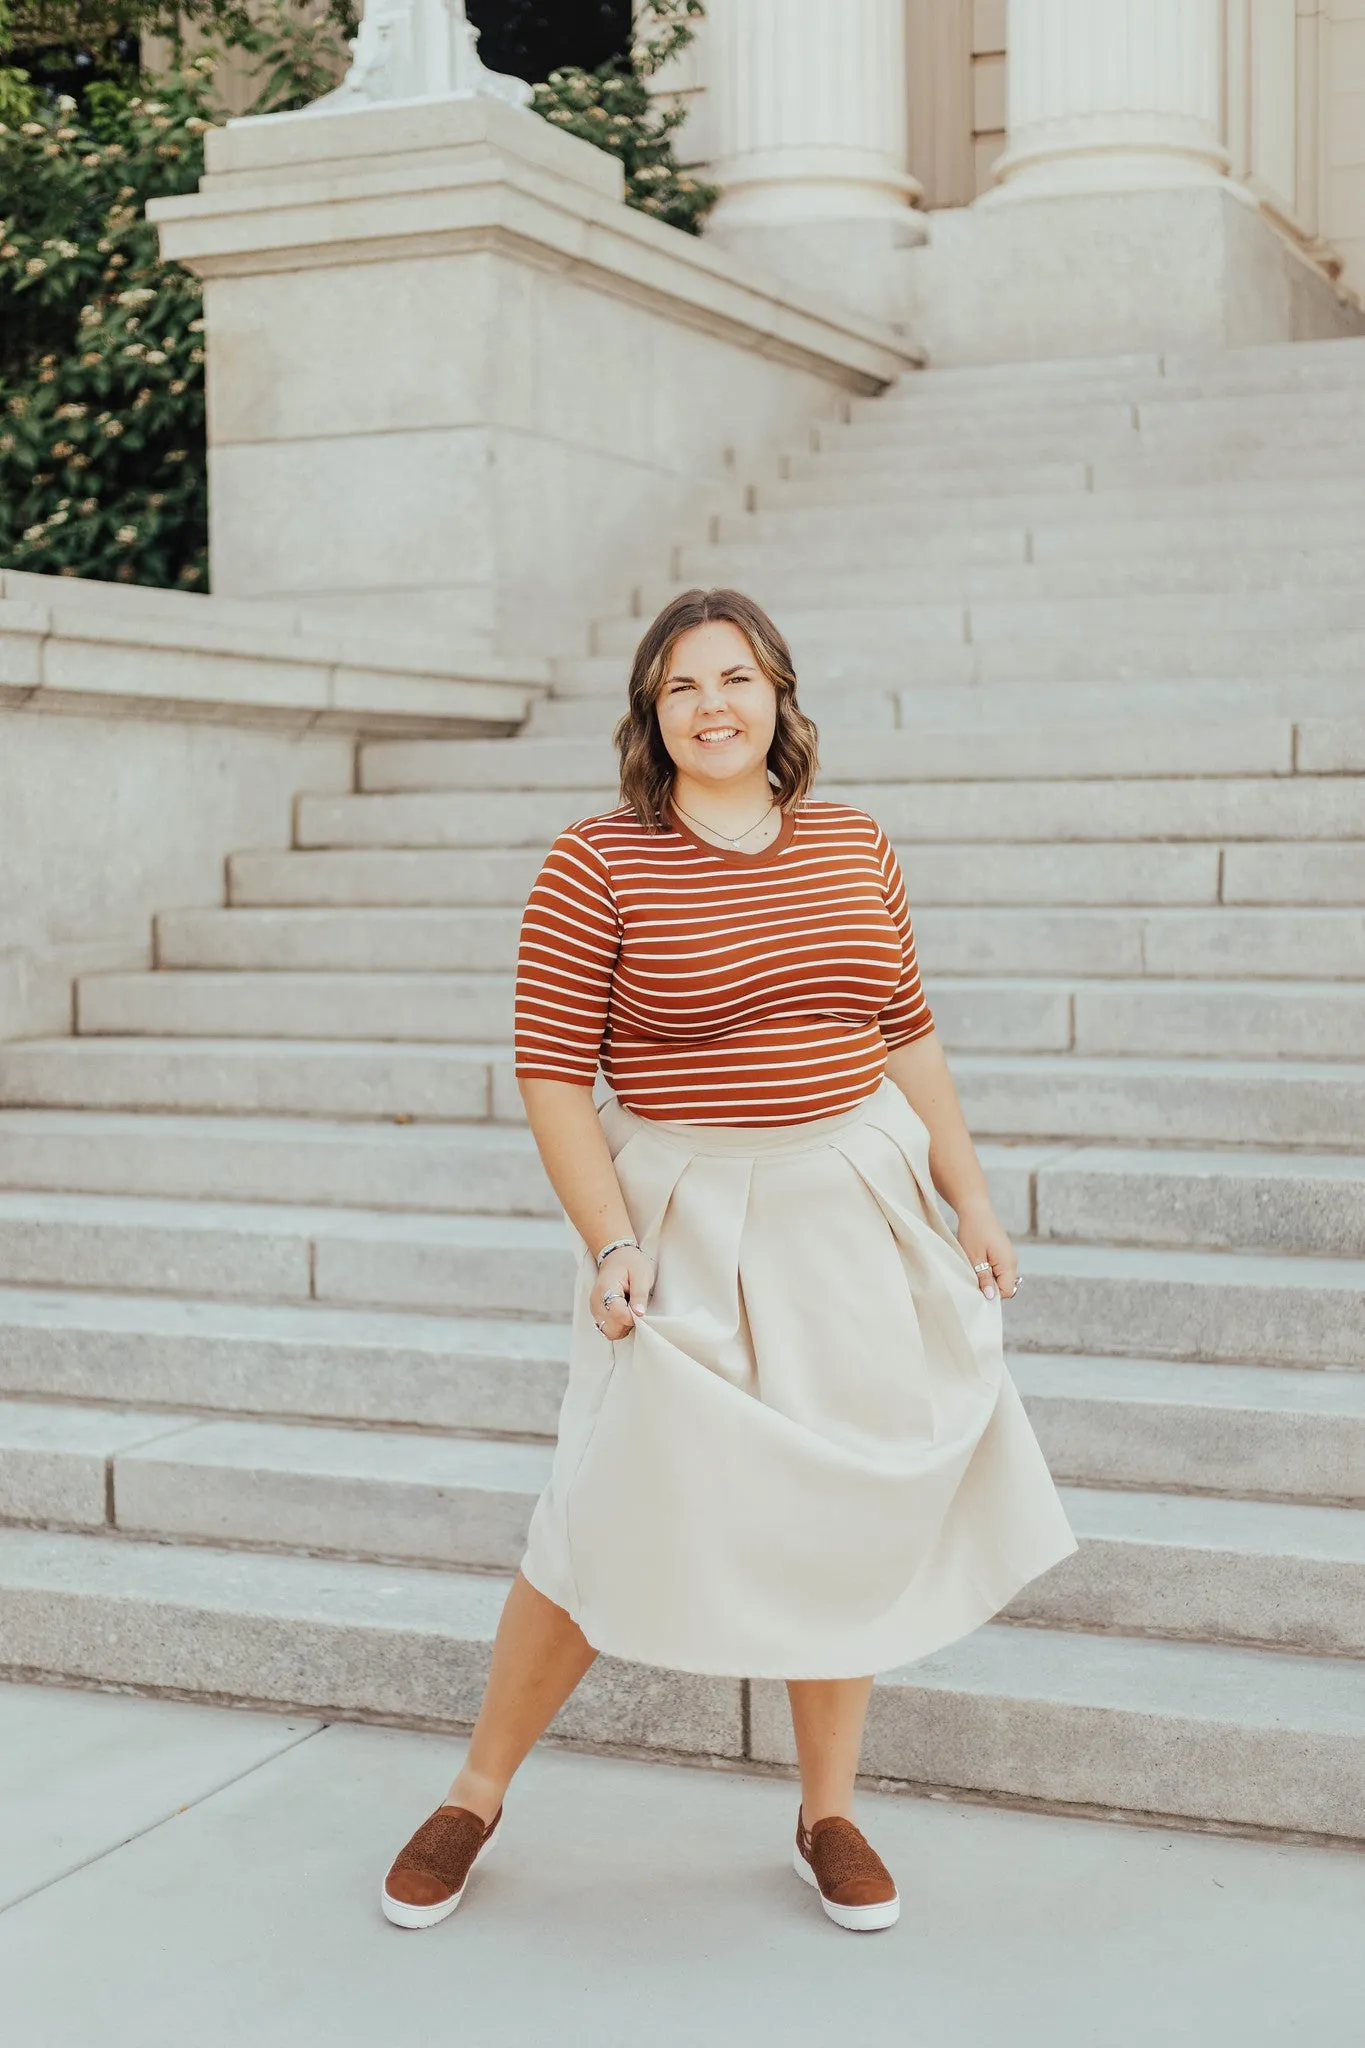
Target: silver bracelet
column 616, row 1245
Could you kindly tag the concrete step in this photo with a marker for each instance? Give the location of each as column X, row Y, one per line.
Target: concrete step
column 778, row 514
column 245, row 1251
column 1157, row 450
column 474, row 1169
column 1148, row 1562
column 1194, row 1730
column 1119, row 1725
column 1215, row 1307
column 1060, row 468
column 425, row 1008
column 596, row 689
column 1153, row 413
column 1268, row 1102
column 1261, row 1019
column 56, row 1462
column 1153, row 616
column 1140, row 807
column 1276, row 369
column 378, row 876
column 1078, row 1297
column 1248, row 1431
column 1276, row 1102
column 1162, row 944
column 284, row 1359
column 359, row 1492
column 263, row 1077
column 358, row 941
column 1148, row 1423
column 1118, row 873
column 785, row 579
column 1024, row 875
column 482, row 1168
column 471, row 818
column 762, row 543
column 1086, row 941
column 1170, row 1565
column 869, row 652
column 1142, row 620
column 212, row 1248
column 1232, row 1020
column 1297, row 807
column 960, row 751
column 1235, row 1200
column 374, row 1640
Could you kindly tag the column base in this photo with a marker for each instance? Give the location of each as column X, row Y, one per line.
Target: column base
column 1114, row 273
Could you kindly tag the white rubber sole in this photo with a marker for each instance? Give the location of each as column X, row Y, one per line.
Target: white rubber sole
column 400, row 1914
column 859, row 1919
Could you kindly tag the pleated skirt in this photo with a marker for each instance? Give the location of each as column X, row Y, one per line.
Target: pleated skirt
column 807, row 1460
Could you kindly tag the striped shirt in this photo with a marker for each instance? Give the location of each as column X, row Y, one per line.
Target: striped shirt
column 717, row 987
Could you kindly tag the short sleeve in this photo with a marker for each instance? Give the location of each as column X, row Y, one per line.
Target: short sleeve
column 907, row 1016
column 570, row 938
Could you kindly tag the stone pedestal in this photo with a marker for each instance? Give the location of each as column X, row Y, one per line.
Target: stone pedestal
column 1115, row 226
column 453, row 380
column 1113, row 274
column 808, row 118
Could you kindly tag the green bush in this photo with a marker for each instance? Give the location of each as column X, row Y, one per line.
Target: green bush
column 102, row 344
column 612, row 108
column 102, row 456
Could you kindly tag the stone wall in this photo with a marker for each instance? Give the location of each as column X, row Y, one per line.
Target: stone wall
column 448, row 368
column 145, row 735
column 105, row 820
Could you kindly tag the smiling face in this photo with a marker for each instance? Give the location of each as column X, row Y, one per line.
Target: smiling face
column 717, row 711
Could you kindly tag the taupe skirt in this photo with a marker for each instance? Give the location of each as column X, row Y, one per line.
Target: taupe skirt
column 807, row 1460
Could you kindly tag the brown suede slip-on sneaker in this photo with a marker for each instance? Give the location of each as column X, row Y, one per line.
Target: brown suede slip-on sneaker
column 856, row 1888
column 429, row 1873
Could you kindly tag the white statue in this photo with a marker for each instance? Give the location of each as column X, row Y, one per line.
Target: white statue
column 417, row 50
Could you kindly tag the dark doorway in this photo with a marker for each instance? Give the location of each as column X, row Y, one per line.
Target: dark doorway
column 531, row 38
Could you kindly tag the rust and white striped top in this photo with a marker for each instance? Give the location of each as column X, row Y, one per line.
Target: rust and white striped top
column 719, row 987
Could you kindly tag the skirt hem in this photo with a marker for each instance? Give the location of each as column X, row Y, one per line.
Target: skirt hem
column 978, row 1614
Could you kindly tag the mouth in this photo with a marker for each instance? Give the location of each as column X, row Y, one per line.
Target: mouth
column 716, row 735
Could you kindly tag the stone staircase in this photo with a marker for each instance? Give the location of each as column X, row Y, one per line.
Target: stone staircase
column 282, row 1286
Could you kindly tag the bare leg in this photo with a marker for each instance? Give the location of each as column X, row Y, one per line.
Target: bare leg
column 827, row 1720
column 539, row 1655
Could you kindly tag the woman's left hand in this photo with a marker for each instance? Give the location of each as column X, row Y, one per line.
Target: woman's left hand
column 987, row 1245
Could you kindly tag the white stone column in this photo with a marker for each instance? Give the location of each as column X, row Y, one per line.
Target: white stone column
column 1112, row 95
column 807, row 111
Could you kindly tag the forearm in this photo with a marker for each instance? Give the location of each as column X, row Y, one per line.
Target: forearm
column 576, row 1157
column 920, row 1071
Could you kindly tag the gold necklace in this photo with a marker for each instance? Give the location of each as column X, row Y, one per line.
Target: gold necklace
column 723, row 835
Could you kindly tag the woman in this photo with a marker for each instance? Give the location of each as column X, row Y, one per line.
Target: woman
column 789, row 1447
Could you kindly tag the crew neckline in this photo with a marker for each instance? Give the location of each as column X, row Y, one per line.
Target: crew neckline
column 731, row 855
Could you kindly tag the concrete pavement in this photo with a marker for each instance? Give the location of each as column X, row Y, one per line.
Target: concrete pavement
column 173, row 1872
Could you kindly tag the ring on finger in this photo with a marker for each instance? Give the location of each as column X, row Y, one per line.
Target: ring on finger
column 984, row 1267
column 612, row 1294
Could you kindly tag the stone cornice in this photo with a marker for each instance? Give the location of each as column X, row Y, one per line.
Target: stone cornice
column 482, row 194
column 109, row 650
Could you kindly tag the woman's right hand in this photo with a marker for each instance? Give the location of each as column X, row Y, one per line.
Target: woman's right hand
column 626, row 1272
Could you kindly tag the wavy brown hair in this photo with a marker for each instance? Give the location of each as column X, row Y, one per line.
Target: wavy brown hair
column 646, row 765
